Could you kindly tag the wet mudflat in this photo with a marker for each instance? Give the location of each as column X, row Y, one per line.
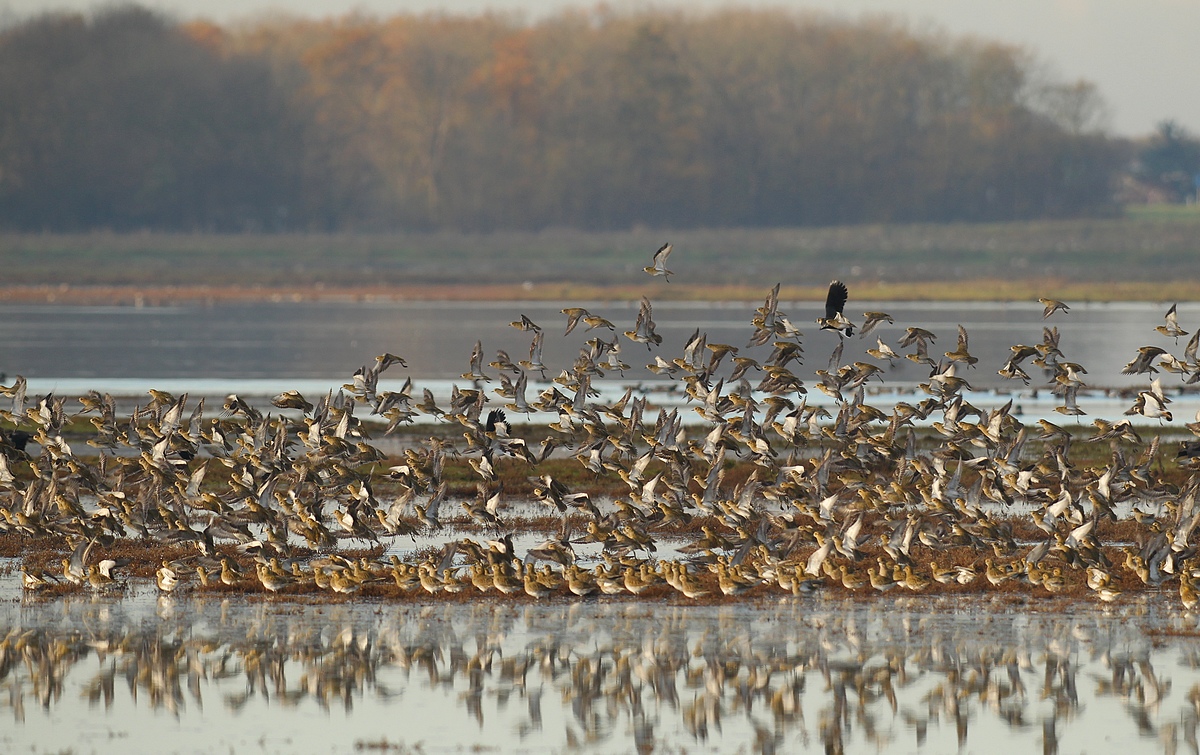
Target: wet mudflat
column 819, row 673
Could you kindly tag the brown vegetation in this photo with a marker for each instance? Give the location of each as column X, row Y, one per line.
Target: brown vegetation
column 600, row 120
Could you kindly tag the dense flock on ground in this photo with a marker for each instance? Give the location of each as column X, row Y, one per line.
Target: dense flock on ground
column 767, row 493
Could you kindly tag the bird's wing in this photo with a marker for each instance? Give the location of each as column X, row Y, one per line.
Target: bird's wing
column 835, row 300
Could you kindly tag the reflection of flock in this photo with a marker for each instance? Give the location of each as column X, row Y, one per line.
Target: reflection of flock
column 857, row 499
column 799, row 673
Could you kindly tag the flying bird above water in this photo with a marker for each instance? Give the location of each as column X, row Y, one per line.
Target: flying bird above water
column 883, row 351
column 574, row 315
column 659, row 266
column 535, row 354
column 526, row 324
column 872, row 320
column 1144, row 361
column 1171, row 327
column 476, row 372
column 835, row 301
column 643, row 329
column 1152, row 404
column 1052, row 306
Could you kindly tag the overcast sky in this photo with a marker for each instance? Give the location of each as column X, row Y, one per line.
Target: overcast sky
column 1144, row 55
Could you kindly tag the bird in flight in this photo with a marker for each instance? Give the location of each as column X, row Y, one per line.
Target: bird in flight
column 643, row 329
column 1052, row 306
column 659, row 266
column 835, row 300
column 1171, row 329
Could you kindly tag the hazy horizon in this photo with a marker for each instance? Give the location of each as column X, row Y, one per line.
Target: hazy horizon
column 1137, row 54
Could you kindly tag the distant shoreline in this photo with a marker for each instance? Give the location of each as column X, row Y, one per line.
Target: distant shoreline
column 1152, row 254
column 990, row 290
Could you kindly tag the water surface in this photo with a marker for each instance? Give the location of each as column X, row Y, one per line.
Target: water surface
column 814, row 674
column 323, row 340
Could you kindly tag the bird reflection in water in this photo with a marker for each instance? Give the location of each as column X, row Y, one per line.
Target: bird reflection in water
column 796, row 675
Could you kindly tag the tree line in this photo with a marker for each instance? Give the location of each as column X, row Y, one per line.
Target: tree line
column 126, row 119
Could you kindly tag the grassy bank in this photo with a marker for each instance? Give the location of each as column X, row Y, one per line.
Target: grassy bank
column 1152, row 254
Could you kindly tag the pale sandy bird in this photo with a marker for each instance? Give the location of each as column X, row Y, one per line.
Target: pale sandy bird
column 732, row 581
column 1152, row 404
column 596, row 321
column 476, row 372
column 883, row 351
column 1052, row 306
column 525, row 324
column 643, row 329
column 1013, row 370
column 504, row 363
column 1173, row 364
column 517, row 393
column 1187, row 593
column 852, row 580
column 33, row 581
column 75, row 568
column 485, row 508
column 1070, row 407
column 1120, row 429
column 105, row 567
column 766, row 320
column 662, row 367
column 580, row 582
column 574, row 315
column 270, row 579
column 1170, row 328
column 916, row 335
column 534, row 363
column 1048, row 350
column 659, row 266
column 693, row 351
column 1012, row 367
column 872, row 320
column 230, row 573
column 1068, row 373
column 166, row 578
column 689, row 586
column 292, row 400
column 960, row 354
column 944, row 576
column 1144, row 361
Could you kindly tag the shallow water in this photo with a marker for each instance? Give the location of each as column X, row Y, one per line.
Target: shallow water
column 811, row 674
column 260, row 349
column 329, row 340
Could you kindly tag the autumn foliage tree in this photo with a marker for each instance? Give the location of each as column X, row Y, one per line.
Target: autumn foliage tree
column 594, row 120
column 122, row 121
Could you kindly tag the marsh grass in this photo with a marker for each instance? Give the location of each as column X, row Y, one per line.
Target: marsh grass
column 1147, row 255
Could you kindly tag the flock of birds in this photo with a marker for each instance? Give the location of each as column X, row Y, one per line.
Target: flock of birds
column 860, row 498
